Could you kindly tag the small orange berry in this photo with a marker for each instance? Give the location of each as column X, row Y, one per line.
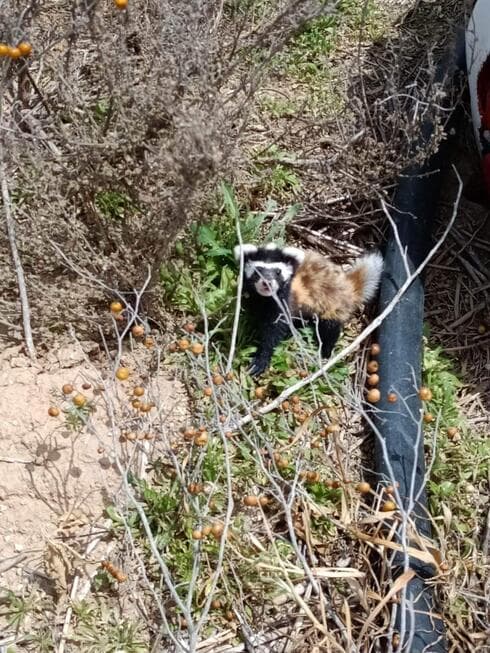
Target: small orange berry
column 373, row 395
column 373, row 379
column 206, row 531
column 363, row 487
column 388, row 506
column 425, row 393
column 189, row 327
column 452, row 432
column 260, row 392
column 392, row 397
column 197, row 535
column 372, row 367
column 218, row 379
column 136, row 403
column 145, row 407
column 14, row 53
column 53, row 411
column 138, row 391
column 121, row 4
column 251, row 500
column 208, row 392
column 67, row 389
column 122, row 373
column 197, row 348
column 138, row 330
column 375, row 349
column 79, row 400
column 201, row 440
column 25, row 48
column 116, row 307
column 312, row 477
column 428, row 418
column 148, row 342
column 4, row 50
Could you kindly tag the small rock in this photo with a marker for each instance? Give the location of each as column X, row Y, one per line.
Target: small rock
column 69, row 356
column 20, row 361
column 18, row 548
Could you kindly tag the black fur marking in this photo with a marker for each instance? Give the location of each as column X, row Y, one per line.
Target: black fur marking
column 328, row 334
column 271, row 256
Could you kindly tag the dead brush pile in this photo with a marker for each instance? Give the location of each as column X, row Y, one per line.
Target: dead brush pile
column 114, row 128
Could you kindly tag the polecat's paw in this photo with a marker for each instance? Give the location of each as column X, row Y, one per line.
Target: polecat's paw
column 258, row 366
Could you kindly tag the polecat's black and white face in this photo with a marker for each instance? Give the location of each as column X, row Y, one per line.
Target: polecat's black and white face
column 268, row 269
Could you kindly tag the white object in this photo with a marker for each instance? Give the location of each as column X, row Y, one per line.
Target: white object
column 478, row 66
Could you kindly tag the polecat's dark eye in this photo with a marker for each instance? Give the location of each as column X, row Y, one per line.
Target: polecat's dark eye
column 278, row 273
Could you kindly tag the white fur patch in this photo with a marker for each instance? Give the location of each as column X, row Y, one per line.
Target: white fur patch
column 267, row 289
column 255, row 266
column 294, row 252
column 271, row 246
column 246, row 248
column 372, row 264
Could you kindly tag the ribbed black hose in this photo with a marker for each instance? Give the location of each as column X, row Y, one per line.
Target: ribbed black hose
column 400, row 360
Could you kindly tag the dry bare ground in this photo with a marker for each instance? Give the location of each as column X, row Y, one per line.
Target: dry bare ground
column 206, row 512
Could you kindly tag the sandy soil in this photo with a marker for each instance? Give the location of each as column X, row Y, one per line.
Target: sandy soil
column 54, row 481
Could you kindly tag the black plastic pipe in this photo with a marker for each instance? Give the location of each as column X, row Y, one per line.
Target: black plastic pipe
column 400, row 360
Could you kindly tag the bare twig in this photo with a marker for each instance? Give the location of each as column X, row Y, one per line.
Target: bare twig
column 19, row 270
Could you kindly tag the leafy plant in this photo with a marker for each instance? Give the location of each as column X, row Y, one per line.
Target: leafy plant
column 114, row 205
column 460, row 464
column 203, row 274
column 439, row 376
column 99, row 629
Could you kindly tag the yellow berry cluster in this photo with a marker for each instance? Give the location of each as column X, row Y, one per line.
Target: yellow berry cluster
column 24, row 49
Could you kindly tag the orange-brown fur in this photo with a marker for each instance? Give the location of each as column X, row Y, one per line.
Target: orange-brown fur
column 333, row 292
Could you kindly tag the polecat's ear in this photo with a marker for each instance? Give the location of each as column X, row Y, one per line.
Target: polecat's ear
column 294, row 252
column 245, row 248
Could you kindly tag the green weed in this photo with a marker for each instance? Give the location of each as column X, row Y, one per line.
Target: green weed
column 202, row 275
column 101, row 109
column 278, row 107
column 114, row 205
column 98, row 629
column 18, row 608
column 460, row 465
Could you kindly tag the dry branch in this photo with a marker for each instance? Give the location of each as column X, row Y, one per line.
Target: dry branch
column 19, row 270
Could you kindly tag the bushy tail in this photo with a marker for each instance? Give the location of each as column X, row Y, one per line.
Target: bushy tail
column 365, row 275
